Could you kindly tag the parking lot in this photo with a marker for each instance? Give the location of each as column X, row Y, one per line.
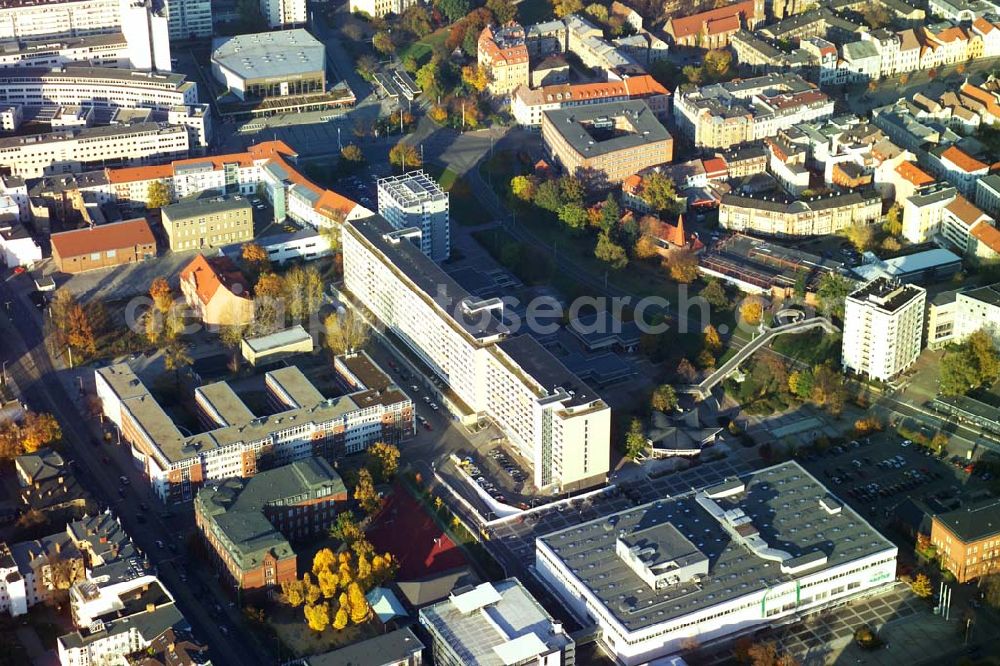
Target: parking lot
column 496, row 472
column 876, row 473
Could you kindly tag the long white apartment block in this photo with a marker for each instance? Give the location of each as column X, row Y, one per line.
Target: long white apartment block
column 101, row 87
column 283, row 13
column 142, row 23
column 556, row 421
column 414, row 199
column 74, row 150
column 883, row 328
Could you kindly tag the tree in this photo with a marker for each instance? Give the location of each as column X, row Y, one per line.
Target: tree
column 341, row 619
column 939, row 442
column 766, row 654
column 705, row 360
column 38, row 430
column 832, row 292
column 574, row 216
column 524, row 187
column 695, row 75
column 346, row 332
column 635, row 440
column 269, row 285
column 875, row 15
column 862, row 236
column 610, row 252
column 548, row 196
column 686, row 371
column 563, row 8
column 293, row 593
column 157, row 195
column 683, row 265
column 664, row 398
column 645, row 247
column 346, row 529
column 894, row 220
column 382, row 41
column 503, row 10
column 571, row 189
column 475, row 77
column 715, row 293
column 718, row 63
column 80, row 330
column 318, row 616
column 800, row 383
column 352, row 155
column 255, row 257
column 453, row 9
column 303, row 291
column 367, row 66
column 659, row 191
column 921, row 586
column 991, row 590
column 417, row 20
column 385, row 460
column 323, row 560
column 365, row 494
column 438, row 114
column 752, row 311
column 404, row 157
column 611, row 213
column 176, row 357
column 828, row 389
column 969, row 365
column 361, row 610
column 711, row 339
column 162, row 295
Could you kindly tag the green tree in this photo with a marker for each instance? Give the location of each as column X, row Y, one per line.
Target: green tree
column 694, row 74
column 800, row 383
column 894, row 220
column 832, row 293
column 504, row 11
column 635, row 440
column 346, row 528
column 659, row 191
column 384, row 459
column 453, row 9
column 157, row 195
column 571, row 190
column 715, row 293
column 611, row 213
column 573, row 215
column 664, row 398
column 610, row 252
column 417, row 20
column 382, row 41
column 969, row 365
column 548, row 197
column 524, row 187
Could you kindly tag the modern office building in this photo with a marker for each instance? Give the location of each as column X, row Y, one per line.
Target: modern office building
column 303, row 423
column 603, row 144
column 199, row 223
column 270, row 64
column 247, row 523
column 414, row 199
column 190, row 19
column 107, row 50
column 75, row 150
column 978, row 309
column 557, row 422
column 100, row 87
column 283, row 13
column 495, row 623
column 103, row 246
column 968, row 539
column 883, row 328
column 817, row 216
column 719, row 561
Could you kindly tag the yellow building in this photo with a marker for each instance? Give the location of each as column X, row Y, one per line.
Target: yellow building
column 195, row 224
column 217, row 292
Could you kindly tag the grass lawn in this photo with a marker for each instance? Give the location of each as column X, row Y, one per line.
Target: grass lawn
column 534, row 11
column 421, row 49
column 465, row 209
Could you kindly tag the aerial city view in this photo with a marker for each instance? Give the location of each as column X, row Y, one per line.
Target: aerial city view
column 499, row 332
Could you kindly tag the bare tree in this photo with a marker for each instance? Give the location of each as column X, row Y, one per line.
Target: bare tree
column 346, row 332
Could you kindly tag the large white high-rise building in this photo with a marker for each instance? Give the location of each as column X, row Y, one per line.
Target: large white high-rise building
column 414, row 199
column 553, row 418
column 283, row 13
column 190, row 19
column 978, row 309
column 142, row 22
column 883, row 328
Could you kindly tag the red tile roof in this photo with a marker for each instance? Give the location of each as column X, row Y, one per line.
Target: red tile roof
column 209, row 275
column 632, row 184
column 104, row 237
column 715, row 167
column 963, row 160
column 690, row 25
column 726, row 24
column 130, row 174
column 988, row 235
column 965, row 211
column 914, row 174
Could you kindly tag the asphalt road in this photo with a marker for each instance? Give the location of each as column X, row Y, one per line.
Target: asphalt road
column 30, row 368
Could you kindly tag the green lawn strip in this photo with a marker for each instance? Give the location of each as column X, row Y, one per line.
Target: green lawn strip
column 421, row 49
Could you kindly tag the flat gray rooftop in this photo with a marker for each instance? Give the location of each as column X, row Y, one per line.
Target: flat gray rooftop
column 546, row 369
column 583, row 127
column 784, row 504
column 270, row 54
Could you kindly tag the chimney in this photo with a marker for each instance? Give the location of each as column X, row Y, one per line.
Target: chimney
column 150, row 607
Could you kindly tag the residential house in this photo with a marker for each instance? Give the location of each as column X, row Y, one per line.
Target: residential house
column 215, row 289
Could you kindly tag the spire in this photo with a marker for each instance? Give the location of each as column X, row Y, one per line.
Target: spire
column 680, row 237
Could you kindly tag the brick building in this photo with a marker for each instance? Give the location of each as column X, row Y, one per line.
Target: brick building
column 504, row 55
column 713, row 28
column 968, row 539
column 103, row 246
column 248, row 522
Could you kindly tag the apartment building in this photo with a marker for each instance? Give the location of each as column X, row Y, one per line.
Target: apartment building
column 103, row 246
column 960, row 222
column 988, row 194
column 603, row 144
column 380, row 8
column 303, row 423
column 200, row 223
column 503, row 54
column 190, row 19
column 556, row 421
column 101, row 87
column 75, row 150
column 924, row 211
column 106, row 50
column 883, row 328
column 283, row 13
column 17, row 247
column 247, row 523
column 707, row 564
column 414, row 199
column 217, row 292
column 724, row 115
column 968, row 540
column 978, row 310
column 528, row 104
column 803, row 217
